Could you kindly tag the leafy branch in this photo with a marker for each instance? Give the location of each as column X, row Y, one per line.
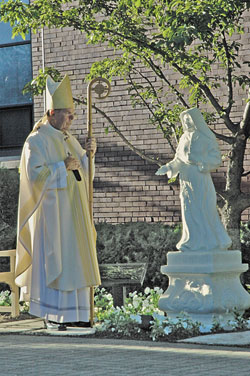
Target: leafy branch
column 141, row 154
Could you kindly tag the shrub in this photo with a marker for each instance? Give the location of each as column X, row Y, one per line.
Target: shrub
column 138, row 242
column 9, row 188
column 128, row 242
column 245, row 248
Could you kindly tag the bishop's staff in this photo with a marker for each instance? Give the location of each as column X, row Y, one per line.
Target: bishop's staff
column 102, row 89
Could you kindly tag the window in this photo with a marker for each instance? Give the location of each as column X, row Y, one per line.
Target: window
column 15, row 108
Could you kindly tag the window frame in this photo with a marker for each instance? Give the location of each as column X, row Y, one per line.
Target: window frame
column 25, row 105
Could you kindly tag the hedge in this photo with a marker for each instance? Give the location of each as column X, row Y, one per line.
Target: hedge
column 128, row 242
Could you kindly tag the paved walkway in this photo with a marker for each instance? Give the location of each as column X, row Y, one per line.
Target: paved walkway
column 22, row 353
column 45, row 355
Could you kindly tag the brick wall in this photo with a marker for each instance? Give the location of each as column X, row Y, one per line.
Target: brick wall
column 125, row 186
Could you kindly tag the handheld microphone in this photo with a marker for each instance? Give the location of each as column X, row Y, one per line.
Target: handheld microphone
column 75, row 172
column 77, row 175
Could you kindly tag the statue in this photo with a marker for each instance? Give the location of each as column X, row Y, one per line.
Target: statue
column 196, row 156
column 203, row 275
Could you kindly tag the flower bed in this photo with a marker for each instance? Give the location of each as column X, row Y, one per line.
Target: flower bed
column 141, row 319
column 127, row 321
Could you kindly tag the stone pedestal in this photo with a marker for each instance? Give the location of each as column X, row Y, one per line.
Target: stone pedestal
column 204, row 285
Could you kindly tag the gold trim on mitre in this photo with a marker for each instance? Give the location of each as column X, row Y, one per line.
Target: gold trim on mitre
column 58, row 94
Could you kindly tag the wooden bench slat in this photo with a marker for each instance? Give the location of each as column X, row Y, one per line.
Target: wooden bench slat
column 9, row 253
column 130, row 273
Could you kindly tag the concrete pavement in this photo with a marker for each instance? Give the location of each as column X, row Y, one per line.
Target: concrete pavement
column 48, row 356
column 26, row 348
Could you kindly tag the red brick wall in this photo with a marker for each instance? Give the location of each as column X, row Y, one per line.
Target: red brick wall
column 125, row 186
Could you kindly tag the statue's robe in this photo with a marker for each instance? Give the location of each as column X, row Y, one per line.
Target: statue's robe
column 56, row 254
column 196, row 156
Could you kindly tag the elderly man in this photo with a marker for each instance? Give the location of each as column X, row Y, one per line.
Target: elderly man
column 56, row 255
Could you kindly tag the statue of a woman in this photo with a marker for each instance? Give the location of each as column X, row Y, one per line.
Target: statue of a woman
column 196, row 156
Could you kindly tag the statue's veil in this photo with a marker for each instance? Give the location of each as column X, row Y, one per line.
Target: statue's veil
column 198, row 122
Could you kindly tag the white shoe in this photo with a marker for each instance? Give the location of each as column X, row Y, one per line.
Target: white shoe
column 50, row 325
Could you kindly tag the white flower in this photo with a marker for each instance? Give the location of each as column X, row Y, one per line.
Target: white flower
column 147, row 290
column 205, row 328
column 135, row 303
column 184, row 325
column 230, row 324
column 132, row 294
column 137, row 318
column 158, row 290
column 167, row 330
column 159, row 312
column 159, row 317
column 174, row 321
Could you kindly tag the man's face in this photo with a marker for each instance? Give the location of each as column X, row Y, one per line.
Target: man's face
column 64, row 118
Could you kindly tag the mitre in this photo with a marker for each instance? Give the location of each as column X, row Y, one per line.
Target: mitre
column 58, row 94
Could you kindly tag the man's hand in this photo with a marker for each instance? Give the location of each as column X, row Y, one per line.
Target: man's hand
column 90, row 145
column 72, row 163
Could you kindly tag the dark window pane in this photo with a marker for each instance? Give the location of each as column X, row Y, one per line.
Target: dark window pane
column 15, row 72
column 15, row 125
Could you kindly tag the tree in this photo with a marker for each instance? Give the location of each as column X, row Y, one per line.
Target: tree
column 193, row 37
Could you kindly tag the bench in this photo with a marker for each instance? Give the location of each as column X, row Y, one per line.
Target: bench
column 120, row 276
column 9, row 279
column 117, row 276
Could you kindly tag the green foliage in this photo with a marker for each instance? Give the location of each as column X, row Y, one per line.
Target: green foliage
column 128, row 320
column 195, row 38
column 5, row 298
column 216, row 326
column 103, row 303
column 143, row 303
column 138, row 242
column 240, row 323
column 245, row 234
column 191, row 36
column 9, row 188
column 120, row 323
column 179, row 328
column 245, row 248
column 38, row 84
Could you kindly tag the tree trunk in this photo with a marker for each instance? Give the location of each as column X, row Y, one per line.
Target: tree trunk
column 233, row 201
column 231, row 216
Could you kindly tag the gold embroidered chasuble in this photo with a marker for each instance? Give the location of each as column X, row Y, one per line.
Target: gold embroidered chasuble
column 53, row 201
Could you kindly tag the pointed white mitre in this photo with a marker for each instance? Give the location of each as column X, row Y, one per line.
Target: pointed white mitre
column 58, row 94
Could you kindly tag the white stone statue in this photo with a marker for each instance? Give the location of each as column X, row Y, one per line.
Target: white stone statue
column 203, row 275
column 196, row 156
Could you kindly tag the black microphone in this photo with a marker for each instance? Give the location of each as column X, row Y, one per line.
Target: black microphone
column 77, row 175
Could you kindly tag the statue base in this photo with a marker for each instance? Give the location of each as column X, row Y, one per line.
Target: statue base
column 205, row 285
